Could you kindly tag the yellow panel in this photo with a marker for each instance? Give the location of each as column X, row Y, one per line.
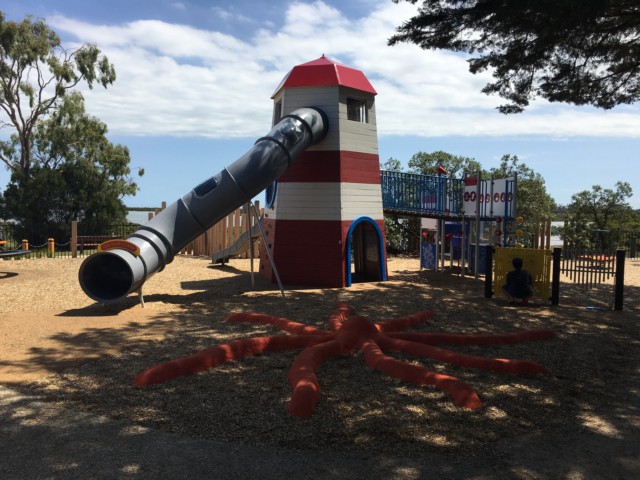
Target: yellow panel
column 536, row 262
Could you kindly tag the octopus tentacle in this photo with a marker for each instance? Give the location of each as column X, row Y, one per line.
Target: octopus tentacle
column 520, row 367
column 487, row 339
column 214, row 356
column 337, row 318
column 278, row 322
column 463, row 395
column 402, row 323
column 303, row 378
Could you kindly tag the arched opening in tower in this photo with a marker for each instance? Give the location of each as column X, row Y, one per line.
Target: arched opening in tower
column 365, row 253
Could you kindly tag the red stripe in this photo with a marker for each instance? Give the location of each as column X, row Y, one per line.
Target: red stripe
column 334, row 166
column 308, row 252
column 471, row 181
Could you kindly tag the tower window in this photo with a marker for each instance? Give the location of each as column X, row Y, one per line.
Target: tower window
column 277, row 111
column 357, row 110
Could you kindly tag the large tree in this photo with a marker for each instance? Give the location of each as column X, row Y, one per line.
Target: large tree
column 583, row 52
column 599, row 217
column 35, row 75
column 454, row 165
column 62, row 165
column 76, row 174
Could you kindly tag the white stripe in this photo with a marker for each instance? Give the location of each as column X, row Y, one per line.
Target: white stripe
column 327, row 201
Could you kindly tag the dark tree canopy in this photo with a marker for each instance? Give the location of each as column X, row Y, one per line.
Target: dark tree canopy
column 63, row 166
column 583, row 52
column 599, row 217
column 76, row 174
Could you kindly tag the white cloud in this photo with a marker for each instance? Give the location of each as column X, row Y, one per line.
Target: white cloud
column 230, row 15
column 179, row 80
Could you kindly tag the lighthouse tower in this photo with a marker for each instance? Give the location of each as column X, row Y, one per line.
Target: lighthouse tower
column 323, row 219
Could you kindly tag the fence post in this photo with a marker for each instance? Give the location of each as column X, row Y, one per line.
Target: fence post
column 74, row 239
column 51, row 247
column 619, row 286
column 25, row 244
column 488, row 273
column 555, row 276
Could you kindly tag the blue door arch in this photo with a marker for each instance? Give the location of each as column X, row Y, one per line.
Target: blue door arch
column 365, row 240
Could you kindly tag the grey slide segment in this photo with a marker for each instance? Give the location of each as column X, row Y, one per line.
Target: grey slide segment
column 108, row 277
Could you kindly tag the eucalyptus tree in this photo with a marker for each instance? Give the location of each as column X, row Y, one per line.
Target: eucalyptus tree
column 62, row 165
column 599, row 217
column 36, row 73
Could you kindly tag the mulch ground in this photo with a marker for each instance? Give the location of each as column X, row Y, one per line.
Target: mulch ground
column 58, row 345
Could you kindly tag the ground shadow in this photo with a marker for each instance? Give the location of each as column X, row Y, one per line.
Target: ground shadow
column 582, row 411
column 102, row 310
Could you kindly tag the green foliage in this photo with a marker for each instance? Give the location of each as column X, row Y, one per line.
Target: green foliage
column 35, row 75
column 402, row 234
column 63, row 166
column 583, row 52
column 599, row 218
column 77, row 173
column 392, row 164
column 456, row 166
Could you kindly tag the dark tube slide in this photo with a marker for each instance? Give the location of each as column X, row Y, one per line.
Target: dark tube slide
column 109, row 276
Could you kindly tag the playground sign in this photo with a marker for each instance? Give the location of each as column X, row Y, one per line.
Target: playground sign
column 118, row 243
column 496, row 196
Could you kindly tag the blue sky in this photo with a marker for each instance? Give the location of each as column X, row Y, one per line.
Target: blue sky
column 195, row 80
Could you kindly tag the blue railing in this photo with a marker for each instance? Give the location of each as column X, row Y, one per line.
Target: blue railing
column 425, row 195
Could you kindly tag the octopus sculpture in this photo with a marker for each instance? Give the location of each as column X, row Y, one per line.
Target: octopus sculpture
column 348, row 332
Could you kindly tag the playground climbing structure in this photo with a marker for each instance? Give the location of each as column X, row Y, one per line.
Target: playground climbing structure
column 324, row 217
column 477, row 213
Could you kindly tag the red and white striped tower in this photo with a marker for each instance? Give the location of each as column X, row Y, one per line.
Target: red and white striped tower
column 325, row 213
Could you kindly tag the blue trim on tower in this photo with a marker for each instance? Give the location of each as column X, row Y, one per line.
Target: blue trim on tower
column 383, row 267
column 270, row 194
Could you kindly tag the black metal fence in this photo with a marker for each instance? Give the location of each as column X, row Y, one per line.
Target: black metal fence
column 588, row 268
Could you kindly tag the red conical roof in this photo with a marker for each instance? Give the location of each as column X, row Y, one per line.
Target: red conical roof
column 325, row 72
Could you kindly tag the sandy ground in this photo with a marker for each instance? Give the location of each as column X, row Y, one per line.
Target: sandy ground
column 57, row 344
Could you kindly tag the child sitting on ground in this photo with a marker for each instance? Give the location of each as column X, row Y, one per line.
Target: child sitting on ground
column 518, row 286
